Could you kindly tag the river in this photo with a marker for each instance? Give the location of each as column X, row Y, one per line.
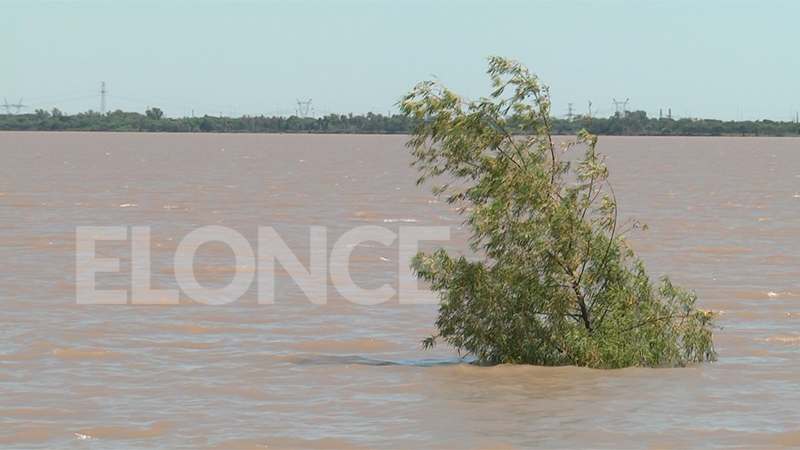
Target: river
column 723, row 221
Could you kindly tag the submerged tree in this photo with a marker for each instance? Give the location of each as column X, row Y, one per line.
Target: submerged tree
column 556, row 282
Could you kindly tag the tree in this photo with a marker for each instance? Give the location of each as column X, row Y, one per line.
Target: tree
column 154, row 113
column 555, row 281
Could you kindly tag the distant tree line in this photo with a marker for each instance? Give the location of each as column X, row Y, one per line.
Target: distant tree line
column 153, row 120
column 634, row 123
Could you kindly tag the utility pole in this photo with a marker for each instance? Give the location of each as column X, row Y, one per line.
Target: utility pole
column 103, row 98
column 623, row 111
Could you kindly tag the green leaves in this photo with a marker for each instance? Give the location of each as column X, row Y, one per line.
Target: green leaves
column 557, row 282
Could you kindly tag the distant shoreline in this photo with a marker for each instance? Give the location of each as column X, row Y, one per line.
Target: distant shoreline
column 634, row 123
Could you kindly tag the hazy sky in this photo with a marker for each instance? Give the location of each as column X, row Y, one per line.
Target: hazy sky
column 705, row 59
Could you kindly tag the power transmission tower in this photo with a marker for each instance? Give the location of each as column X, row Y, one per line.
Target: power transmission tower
column 19, row 105
column 303, row 108
column 103, row 98
column 570, row 114
column 6, row 106
column 621, row 112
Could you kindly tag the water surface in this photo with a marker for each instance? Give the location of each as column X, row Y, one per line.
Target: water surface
column 723, row 216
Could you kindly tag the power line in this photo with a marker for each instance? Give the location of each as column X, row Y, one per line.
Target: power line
column 54, row 97
column 67, row 100
column 174, row 103
column 172, row 100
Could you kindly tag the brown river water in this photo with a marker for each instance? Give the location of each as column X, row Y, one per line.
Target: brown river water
column 724, row 221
